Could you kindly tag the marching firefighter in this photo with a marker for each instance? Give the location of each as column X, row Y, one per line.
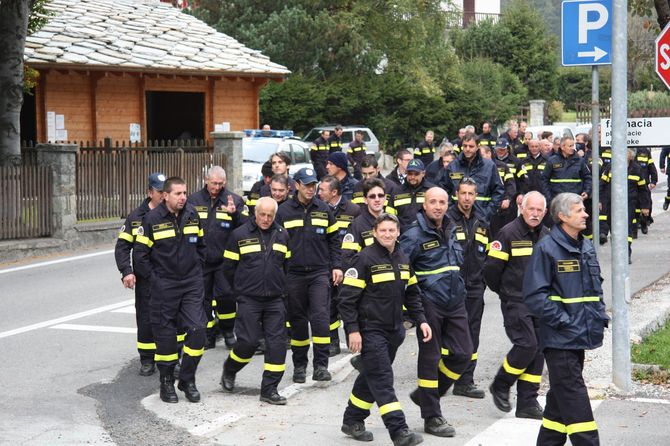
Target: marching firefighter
column 425, row 150
column 408, row 199
column 319, row 152
column 256, row 256
column 644, row 159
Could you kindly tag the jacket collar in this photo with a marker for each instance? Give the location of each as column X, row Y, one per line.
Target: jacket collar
column 428, row 226
column 563, row 239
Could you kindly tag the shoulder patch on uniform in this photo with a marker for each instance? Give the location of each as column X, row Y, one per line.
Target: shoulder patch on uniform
column 348, row 238
column 496, row 245
column 123, row 228
column 352, row 273
column 140, row 230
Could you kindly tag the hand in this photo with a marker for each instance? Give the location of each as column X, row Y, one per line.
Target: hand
column 504, row 204
column 580, row 153
column 356, row 342
column 230, row 207
column 600, row 206
column 338, row 275
column 584, row 195
column 427, row 332
column 129, row 281
column 652, row 186
column 645, row 212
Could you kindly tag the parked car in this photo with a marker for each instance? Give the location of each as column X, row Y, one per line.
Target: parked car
column 257, row 150
column 556, row 130
column 371, row 141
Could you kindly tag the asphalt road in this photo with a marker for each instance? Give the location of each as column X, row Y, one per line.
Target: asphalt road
column 69, row 373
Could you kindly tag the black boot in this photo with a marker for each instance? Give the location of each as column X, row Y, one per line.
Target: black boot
column 407, row 438
column 439, row 427
column 147, row 369
column 229, row 339
column 167, row 393
column 500, row 399
column 468, row 390
column 273, row 397
column 357, row 432
column 227, row 380
column 190, row 391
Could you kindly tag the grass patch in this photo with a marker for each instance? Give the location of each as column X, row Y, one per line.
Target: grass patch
column 652, row 376
column 569, row 116
column 655, row 349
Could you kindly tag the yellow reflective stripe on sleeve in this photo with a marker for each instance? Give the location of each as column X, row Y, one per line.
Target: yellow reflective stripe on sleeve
column 602, row 217
column 565, row 180
column 181, row 337
column 358, row 200
column 332, row 228
column 288, row 254
column 482, row 239
column 191, row 230
column 231, row 255
column 499, row 255
column 520, row 252
column 358, row 283
column 166, row 358
column 390, row 407
column 404, row 275
column 585, row 426
column 359, row 402
column 249, row 249
column 274, row 367
column 438, row 271
column 634, row 177
column 127, row 237
column 444, row 351
column 382, row 277
column 201, row 233
column 474, row 356
column 554, row 426
column 225, row 316
column 279, row 247
column 319, row 222
column 294, row 224
column 211, row 324
column 144, row 240
column 236, row 358
column 202, row 214
column 335, row 325
column 412, row 281
column 321, row 339
column 164, row 234
column 448, row 373
column 535, row 379
column 512, row 370
column 299, row 343
column 193, row 352
column 251, row 202
column 402, row 202
column 428, row 383
column 483, row 198
column 574, row 300
column 351, row 246
column 223, row 216
column 146, row 346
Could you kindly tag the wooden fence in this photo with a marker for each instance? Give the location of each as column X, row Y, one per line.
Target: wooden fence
column 584, row 110
column 25, row 201
column 111, row 182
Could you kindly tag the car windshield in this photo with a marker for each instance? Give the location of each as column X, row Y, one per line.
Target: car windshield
column 312, row 135
column 256, row 151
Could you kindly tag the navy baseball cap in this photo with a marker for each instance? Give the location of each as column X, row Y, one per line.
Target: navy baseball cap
column 502, row 143
column 415, row 165
column 305, row 176
column 156, row 181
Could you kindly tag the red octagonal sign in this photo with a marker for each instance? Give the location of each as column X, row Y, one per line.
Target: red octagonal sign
column 663, row 55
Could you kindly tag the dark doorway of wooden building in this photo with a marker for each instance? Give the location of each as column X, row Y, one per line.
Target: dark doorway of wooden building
column 28, row 118
column 175, row 115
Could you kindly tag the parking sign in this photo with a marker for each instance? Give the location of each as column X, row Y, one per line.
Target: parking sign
column 586, row 32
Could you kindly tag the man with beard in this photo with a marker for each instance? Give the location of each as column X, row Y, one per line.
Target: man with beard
column 407, row 200
column 425, row 150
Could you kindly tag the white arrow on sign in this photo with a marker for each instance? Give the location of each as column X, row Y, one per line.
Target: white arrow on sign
column 597, row 54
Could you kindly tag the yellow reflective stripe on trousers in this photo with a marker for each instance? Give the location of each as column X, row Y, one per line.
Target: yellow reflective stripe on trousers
column 224, row 316
column 444, row 351
column 499, row 255
column 146, row 346
column 585, row 426
column 236, row 358
column 554, row 426
column 574, row 300
column 438, row 271
column 166, row 358
column 211, row 324
column 335, row 325
column 231, row 255
column 512, row 370
column 249, row 249
column 127, row 237
column 383, row 277
column 193, row 352
column 321, row 339
column 390, row 407
column 519, row 252
column 274, row 367
column 299, row 343
column 428, row 383
column 474, row 356
column 448, row 373
column 358, row 283
column 359, row 402
column 181, row 337
column 535, row 379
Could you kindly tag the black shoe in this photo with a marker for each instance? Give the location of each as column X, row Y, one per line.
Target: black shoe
column 227, row 381
column 260, row 348
column 533, row 412
column 439, row 427
column 177, row 371
column 603, row 239
column 630, row 260
column 229, row 339
column 665, row 205
column 300, row 375
column 321, row 374
column 634, row 235
column 644, row 229
column 500, row 399
column 167, row 392
column 147, row 369
column 210, row 343
column 407, row 438
column 190, row 391
column 357, row 432
column 334, row 348
column 469, row 390
column 356, row 362
column 414, row 396
column 274, row 398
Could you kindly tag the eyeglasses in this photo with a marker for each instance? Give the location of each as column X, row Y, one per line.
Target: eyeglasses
column 373, row 196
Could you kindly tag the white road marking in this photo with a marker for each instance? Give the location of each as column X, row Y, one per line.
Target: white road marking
column 130, row 309
column 71, row 317
column 512, row 431
column 649, row 400
column 54, row 262
column 103, row 328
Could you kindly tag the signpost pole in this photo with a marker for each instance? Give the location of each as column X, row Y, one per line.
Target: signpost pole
column 621, row 368
column 595, row 156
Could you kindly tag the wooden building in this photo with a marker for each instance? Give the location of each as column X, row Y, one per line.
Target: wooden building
column 108, row 68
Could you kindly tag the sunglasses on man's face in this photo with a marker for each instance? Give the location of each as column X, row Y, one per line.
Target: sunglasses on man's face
column 373, row 196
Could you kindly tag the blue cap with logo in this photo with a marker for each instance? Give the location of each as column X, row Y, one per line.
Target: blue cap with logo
column 156, row 181
column 502, row 143
column 305, row 176
column 415, row 165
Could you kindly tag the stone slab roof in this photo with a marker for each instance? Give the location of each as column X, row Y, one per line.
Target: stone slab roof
column 140, row 35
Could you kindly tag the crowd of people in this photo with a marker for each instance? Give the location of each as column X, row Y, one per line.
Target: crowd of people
column 341, row 244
